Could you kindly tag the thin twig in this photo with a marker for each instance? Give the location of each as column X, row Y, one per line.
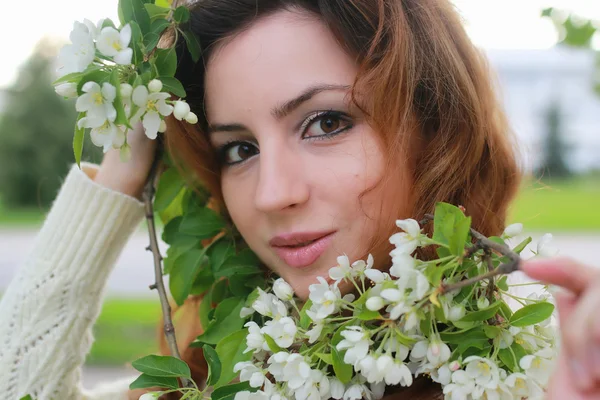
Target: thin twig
column 159, row 285
column 485, row 243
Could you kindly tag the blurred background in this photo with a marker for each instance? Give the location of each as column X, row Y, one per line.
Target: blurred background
column 545, row 53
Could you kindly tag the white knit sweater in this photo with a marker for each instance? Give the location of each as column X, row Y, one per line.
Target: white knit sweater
column 48, row 310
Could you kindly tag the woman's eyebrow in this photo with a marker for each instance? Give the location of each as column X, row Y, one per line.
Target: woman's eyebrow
column 290, row 105
column 284, row 109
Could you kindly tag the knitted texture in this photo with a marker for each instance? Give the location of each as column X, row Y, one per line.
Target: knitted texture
column 48, row 310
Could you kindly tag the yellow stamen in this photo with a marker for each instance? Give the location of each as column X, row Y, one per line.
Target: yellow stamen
column 117, row 45
column 97, row 98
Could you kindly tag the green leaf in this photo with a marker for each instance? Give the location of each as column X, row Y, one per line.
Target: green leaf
column 203, row 280
column 156, row 12
column 118, row 103
column 228, row 392
column 243, row 263
column 510, row 360
column 157, row 27
column 532, row 314
column 274, row 347
column 172, row 85
column 214, row 365
column 28, row 397
column 327, row 358
column 181, row 14
column 183, row 273
column 136, row 39
column 482, row 315
column 491, row 331
column 342, row 370
column 193, row 44
column 521, row 246
column 134, row 10
column 502, row 283
column 227, row 320
column 305, row 320
column 164, row 3
column 162, row 366
column 166, row 61
column 169, row 186
column 451, row 227
column 202, row 223
column 219, row 252
column 205, row 308
column 78, row 141
column 147, row 381
column 231, row 351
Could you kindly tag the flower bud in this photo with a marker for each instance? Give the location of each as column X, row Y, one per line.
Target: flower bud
column 150, row 396
column 191, row 118
column 283, row 290
column 163, row 126
column 181, row 110
column 374, row 303
column 454, row 366
column 456, row 312
column 126, row 90
column 482, row 303
column 513, row 230
column 155, row 86
column 68, row 90
column 125, row 153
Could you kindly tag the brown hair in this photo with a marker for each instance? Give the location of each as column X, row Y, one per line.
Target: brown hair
column 419, row 74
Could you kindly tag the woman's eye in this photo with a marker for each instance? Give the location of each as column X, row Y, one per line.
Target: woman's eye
column 237, row 152
column 326, row 124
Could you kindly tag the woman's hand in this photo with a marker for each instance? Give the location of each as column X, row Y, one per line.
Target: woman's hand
column 577, row 375
column 128, row 177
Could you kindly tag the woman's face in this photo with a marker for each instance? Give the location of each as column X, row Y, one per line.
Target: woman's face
column 296, row 155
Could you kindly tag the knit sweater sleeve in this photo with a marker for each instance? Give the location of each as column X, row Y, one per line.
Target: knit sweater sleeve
column 47, row 312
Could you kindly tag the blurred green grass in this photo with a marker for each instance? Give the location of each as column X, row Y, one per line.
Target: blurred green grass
column 126, row 329
column 569, row 205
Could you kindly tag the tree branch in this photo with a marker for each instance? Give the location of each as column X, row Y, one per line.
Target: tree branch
column 485, row 244
column 159, row 285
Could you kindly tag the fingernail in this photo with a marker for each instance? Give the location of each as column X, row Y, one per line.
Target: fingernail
column 579, row 374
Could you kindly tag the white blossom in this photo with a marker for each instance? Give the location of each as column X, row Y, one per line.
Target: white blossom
column 152, row 106
column 68, row 90
column 318, row 324
column 482, row 302
column 512, row 230
column 255, row 339
column 107, row 136
column 97, row 102
column 461, row 386
column 357, row 341
column 113, row 43
column 283, row 290
column 455, row 312
column 520, row 385
column 150, row 396
column 336, row 388
column 401, row 262
column 78, row 55
column 325, row 298
column 181, row 109
column 539, row 365
column 430, row 353
column 406, row 242
column 155, row 86
column 375, row 303
column 250, row 373
column 544, row 249
column 191, row 118
column 315, row 388
column 269, row 305
column 94, row 29
column 290, row 368
column 483, row 371
column 283, row 331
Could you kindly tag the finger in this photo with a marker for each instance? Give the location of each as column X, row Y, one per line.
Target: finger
column 561, row 271
column 577, row 334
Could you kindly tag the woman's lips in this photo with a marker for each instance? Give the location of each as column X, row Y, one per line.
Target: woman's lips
column 303, row 256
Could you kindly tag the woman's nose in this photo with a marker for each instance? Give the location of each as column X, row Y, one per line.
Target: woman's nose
column 282, row 179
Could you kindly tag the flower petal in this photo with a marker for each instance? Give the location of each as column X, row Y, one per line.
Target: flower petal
column 140, row 96
column 124, row 56
column 125, row 35
column 151, row 123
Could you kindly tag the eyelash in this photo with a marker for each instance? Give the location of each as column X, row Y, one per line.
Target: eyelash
column 308, row 122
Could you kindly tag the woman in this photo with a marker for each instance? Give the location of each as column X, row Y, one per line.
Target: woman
column 321, row 123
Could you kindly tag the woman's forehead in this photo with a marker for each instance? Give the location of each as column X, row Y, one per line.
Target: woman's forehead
column 275, row 59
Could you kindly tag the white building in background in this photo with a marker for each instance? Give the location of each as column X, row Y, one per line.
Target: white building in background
column 530, row 80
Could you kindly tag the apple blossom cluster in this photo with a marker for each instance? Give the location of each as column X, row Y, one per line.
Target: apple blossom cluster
column 112, row 94
column 395, row 326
